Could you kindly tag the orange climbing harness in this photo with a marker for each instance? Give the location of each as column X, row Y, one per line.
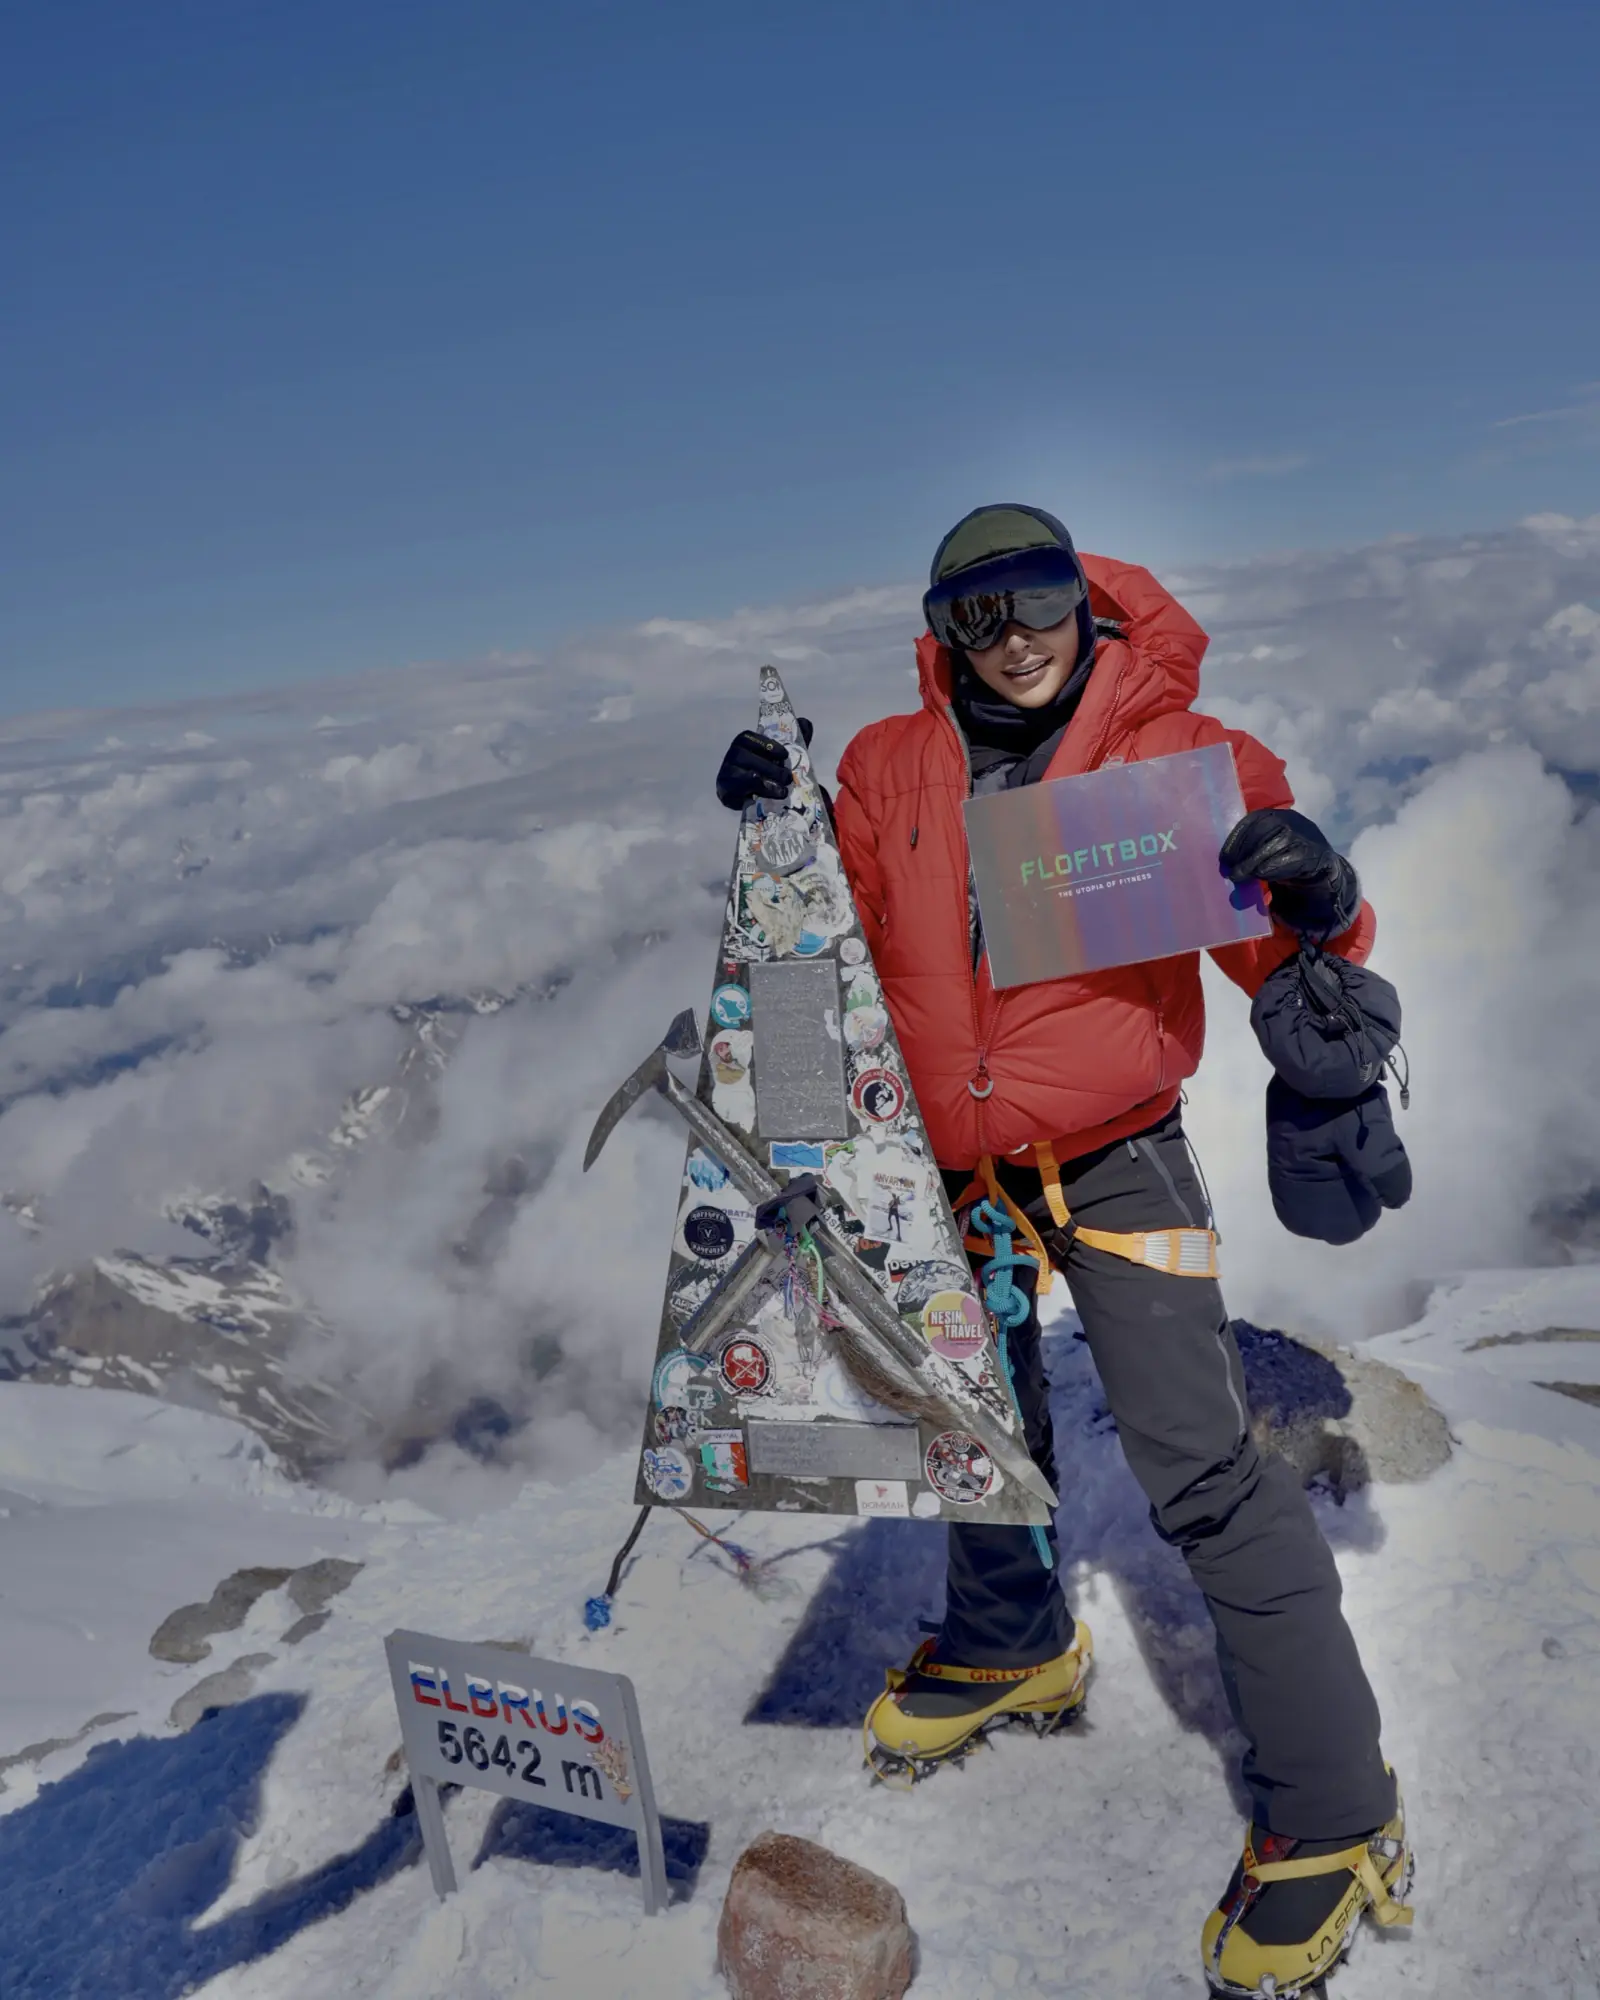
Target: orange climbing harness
column 1180, row 1253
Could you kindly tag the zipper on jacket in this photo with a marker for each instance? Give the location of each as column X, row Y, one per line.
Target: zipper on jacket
column 1158, row 1009
column 966, row 754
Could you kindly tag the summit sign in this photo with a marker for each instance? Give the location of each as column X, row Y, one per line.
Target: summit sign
column 542, row 1732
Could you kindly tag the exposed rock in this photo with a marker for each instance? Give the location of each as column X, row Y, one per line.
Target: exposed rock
column 1341, row 1419
column 184, row 1635
column 1527, row 1339
column 1572, row 1223
column 224, row 1332
column 243, row 1232
column 219, row 1690
column 35, row 1753
column 800, row 1923
column 212, row 1333
column 310, row 1587
column 1580, row 1392
column 302, row 1628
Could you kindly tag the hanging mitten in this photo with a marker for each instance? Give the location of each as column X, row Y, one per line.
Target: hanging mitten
column 1334, row 1159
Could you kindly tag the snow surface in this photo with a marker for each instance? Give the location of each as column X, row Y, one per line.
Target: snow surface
column 114, row 1510
column 256, row 1857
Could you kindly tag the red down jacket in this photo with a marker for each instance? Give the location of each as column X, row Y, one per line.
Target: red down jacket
column 1073, row 1062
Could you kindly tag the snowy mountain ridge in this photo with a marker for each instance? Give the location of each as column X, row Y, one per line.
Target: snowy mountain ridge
column 228, row 1332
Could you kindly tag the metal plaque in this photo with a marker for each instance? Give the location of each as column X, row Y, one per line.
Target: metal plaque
column 835, row 1451
column 799, row 1050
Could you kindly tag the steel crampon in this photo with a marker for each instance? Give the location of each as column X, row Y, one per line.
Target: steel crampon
column 1316, row 1987
column 900, row 1772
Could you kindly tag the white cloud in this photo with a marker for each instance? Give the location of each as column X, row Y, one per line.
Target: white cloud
column 210, row 913
column 1489, row 927
column 1566, row 414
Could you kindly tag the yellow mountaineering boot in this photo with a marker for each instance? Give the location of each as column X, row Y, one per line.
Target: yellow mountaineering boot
column 1293, row 1908
column 931, row 1712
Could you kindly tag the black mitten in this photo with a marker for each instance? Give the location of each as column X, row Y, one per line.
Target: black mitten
column 1334, row 1159
column 1326, row 1026
column 1333, row 1164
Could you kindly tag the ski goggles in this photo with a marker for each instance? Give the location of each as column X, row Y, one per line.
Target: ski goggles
column 1037, row 588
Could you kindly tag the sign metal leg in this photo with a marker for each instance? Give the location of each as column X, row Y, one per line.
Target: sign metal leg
column 430, row 1817
column 652, row 1863
column 652, row 1858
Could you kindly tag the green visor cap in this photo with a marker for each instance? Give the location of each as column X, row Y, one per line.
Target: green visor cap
column 988, row 532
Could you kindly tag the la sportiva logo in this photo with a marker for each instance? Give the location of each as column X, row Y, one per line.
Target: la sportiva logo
column 1111, row 857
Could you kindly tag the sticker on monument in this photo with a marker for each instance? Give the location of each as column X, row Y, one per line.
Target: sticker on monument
column 730, row 1006
column 722, row 1462
column 959, row 1469
column 708, row 1232
column 745, row 1366
column 885, row 1499
column 667, row 1472
column 879, row 1095
column 953, row 1322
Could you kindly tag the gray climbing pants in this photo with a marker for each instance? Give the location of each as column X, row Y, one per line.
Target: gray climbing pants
column 1174, row 1385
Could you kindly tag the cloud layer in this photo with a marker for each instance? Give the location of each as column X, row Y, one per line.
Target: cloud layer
column 211, row 915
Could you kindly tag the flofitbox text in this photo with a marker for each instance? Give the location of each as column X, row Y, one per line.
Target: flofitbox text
column 1111, row 855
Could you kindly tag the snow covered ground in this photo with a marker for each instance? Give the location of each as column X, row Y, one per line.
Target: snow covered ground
column 114, row 1510
column 255, row 1857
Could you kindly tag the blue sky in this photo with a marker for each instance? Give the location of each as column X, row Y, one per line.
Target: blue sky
column 344, row 335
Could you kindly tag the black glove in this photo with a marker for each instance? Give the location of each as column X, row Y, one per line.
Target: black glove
column 756, row 768
column 1314, row 889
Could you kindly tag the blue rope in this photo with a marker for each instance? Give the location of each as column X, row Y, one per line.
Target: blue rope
column 1010, row 1307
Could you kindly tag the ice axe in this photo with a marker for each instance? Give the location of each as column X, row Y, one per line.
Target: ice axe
column 886, row 1359
column 681, row 1039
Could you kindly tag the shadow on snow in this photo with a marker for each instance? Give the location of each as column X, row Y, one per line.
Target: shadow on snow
column 886, row 1586
column 109, row 1871
column 519, row 1832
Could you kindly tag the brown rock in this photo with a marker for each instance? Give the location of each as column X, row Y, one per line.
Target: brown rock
column 800, row 1923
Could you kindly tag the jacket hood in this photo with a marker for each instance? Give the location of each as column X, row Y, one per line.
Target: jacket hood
column 1130, row 684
